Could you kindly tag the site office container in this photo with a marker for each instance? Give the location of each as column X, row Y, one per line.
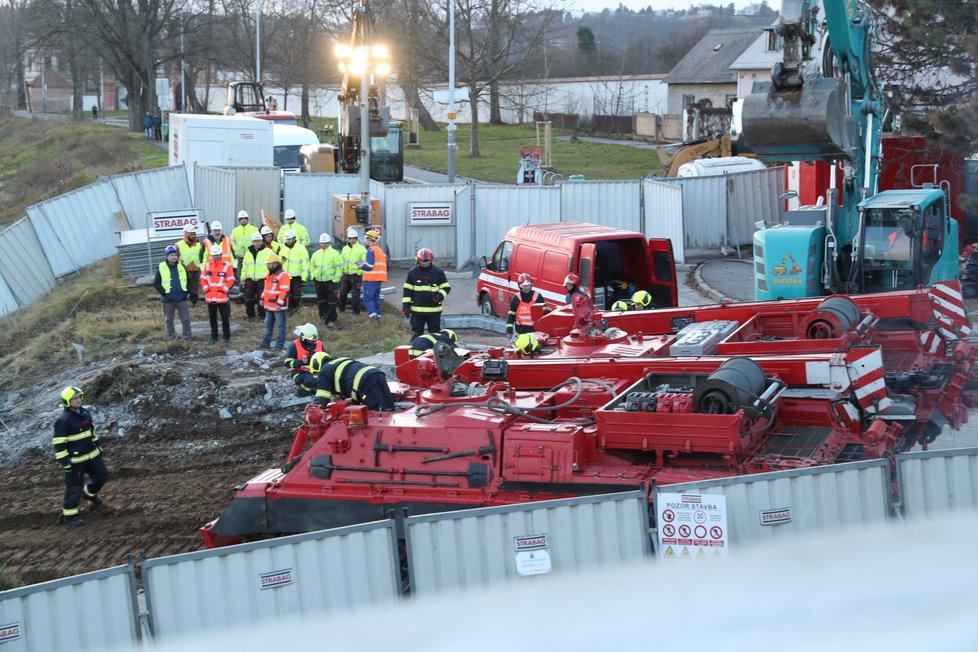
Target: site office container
column 612, row 263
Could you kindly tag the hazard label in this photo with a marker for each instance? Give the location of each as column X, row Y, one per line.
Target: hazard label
column 669, row 553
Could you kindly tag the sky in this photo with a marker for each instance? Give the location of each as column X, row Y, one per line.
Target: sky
column 636, row 5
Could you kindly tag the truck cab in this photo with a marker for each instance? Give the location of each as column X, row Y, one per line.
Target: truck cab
column 612, row 264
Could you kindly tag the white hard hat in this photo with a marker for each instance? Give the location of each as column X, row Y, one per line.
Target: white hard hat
column 189, row 228
column 289, row 234
column 242, row 215
column 216, row 249
column 309, row 332
column 289, row 214
column 216, row 226
column 256, row 236
column 324, row 238
column 265, row 230
column 352, row 233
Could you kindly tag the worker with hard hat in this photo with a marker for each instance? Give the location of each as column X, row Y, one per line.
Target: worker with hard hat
column 172, row 281
column 642, row 300
column 217, row 237
column 301, row 232
column 352, row 256
column 192, row 257
column 254, row 270
column 295, row 262
column 77, row 450
column 422, row 343
column 216, row 280
column 325, row 270
column 525, row 308
column 338, row 378
column 269, row 239
column 425, row 288
column 374, row 269
column 572, row 285
column 297, row 356
column 275, row 300
column 241, row 237
column 528, row 344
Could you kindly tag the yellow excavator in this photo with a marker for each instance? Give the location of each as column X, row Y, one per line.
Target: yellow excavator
column 692, row 150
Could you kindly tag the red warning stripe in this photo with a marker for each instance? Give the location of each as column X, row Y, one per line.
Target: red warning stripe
column 950, row 317
column 865, row 366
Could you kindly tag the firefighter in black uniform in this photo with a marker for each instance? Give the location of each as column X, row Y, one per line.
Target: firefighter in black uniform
column 297, row 357
column 425, row 288
column 348, row 378
column 76, row 448
column 427, row 341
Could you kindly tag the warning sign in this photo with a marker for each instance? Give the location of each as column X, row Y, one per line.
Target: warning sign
column 532, row 554
column 693, row 524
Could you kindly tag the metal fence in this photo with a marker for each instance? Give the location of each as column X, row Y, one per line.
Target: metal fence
column 933, row 482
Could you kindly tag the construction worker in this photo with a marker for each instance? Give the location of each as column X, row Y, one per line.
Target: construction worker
column 374, row 274
column 76, row 448
column 192, row 256
column 275, row 299
column 297, row 357
column 525, row 308
column 325, row 270
column 254, row 269
column 571, row 284
column 172, row 282
column 301, row 232
column 269, row 239
column 427, row 341
column 642, row 300
column 425, row 288
column 217, row 279
column 295, row 262
column 241, row 237
column 217, row 237
column 351, row 379
column 527, row 344
column 351, row 257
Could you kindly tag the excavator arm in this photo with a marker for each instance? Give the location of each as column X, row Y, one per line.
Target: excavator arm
column 713, row 147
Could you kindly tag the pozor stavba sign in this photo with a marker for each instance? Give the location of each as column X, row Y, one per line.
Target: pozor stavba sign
column 431, row 213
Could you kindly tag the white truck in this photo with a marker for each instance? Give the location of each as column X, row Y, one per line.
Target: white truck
column 220, row 141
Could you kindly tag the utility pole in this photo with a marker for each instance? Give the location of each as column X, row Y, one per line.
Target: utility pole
column 451, row 91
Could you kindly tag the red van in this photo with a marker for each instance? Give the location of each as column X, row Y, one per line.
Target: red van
column 612, row 263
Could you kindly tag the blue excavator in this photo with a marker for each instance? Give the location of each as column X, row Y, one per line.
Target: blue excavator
column 830, row 108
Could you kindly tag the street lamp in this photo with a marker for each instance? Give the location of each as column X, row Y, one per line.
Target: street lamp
column 366, row 62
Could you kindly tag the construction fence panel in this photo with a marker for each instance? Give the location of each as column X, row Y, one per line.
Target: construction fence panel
column 611, row 203
column 814, row 499
column 93, row 611
column 434, row 224
column 663, row 208
column 478, row 547
column 704, row 211
column 24, row 264
column 308, row 195
column 933, row 482
column 214, row 194
column 255, row 189
column 160, row 189
column 752, row 197
column 8, row 303
column 260, row 582
column 465, row 252
column 499, row 208
column 78, row 228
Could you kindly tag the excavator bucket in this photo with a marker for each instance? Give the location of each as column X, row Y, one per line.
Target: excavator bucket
column 803, row 124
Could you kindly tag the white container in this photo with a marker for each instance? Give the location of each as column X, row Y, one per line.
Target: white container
column 220, row 141
column 709, row 167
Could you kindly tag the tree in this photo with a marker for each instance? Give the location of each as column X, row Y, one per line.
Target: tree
column 12, row 50
column 405, row 24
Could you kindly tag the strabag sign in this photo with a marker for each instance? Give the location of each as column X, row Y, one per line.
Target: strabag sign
column 276, row 579
column 10, row 632
column 170, row 224
column 532, row 554
column 424, row 213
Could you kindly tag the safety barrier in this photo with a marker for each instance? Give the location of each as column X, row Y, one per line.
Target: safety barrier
column 933, row 482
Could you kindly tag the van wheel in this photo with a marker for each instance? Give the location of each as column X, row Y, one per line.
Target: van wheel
column 485, row 304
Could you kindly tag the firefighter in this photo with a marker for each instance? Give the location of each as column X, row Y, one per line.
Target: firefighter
column 217, row 279
column 192, row 256
column 621, row 306
column 301, row 232
column 77, row 449
column 425, row 288
column 351, row 257
column 571, row 284
column 350, row 379
column 217, row 237
column 275, row 299
column 525, row 307
column 374, row 269
column 297, row 357
column 254, row 269
column 325, row 267
column 295, row 262
column 527, row 344
column 427, row 341
column 642, row 300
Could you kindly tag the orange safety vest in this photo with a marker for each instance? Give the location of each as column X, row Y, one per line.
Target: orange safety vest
column 216, row 280
column 225, row 245
column 379, row 271
column 276, row 289
column 525, row 310
column 302, row 352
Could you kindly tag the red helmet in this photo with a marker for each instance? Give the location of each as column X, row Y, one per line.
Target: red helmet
column 524, row 279
column 425, row 256
column 573, row 279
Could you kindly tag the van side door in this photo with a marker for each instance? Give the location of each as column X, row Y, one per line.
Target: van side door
column 492, row 288
column 662, row 284
column 587, row 274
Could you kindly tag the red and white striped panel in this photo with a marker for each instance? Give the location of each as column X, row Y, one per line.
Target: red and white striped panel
column 930, row 342
column 865, row 365
column 950, row 317
column 848, row 414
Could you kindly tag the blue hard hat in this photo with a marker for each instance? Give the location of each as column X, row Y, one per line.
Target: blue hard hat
column 170, row 249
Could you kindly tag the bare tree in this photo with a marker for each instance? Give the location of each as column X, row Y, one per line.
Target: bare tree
column 405, row 24
column 12, row 48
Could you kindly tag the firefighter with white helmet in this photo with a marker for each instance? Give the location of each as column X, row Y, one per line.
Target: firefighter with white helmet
column 425, row 288
column 297, row 356
column 525, row 308
column 301, row 232
column 325, row 268
column 352, row 256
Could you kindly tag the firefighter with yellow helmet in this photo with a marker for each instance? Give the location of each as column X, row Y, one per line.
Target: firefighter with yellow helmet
column 77, row 450
column 350, row 379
